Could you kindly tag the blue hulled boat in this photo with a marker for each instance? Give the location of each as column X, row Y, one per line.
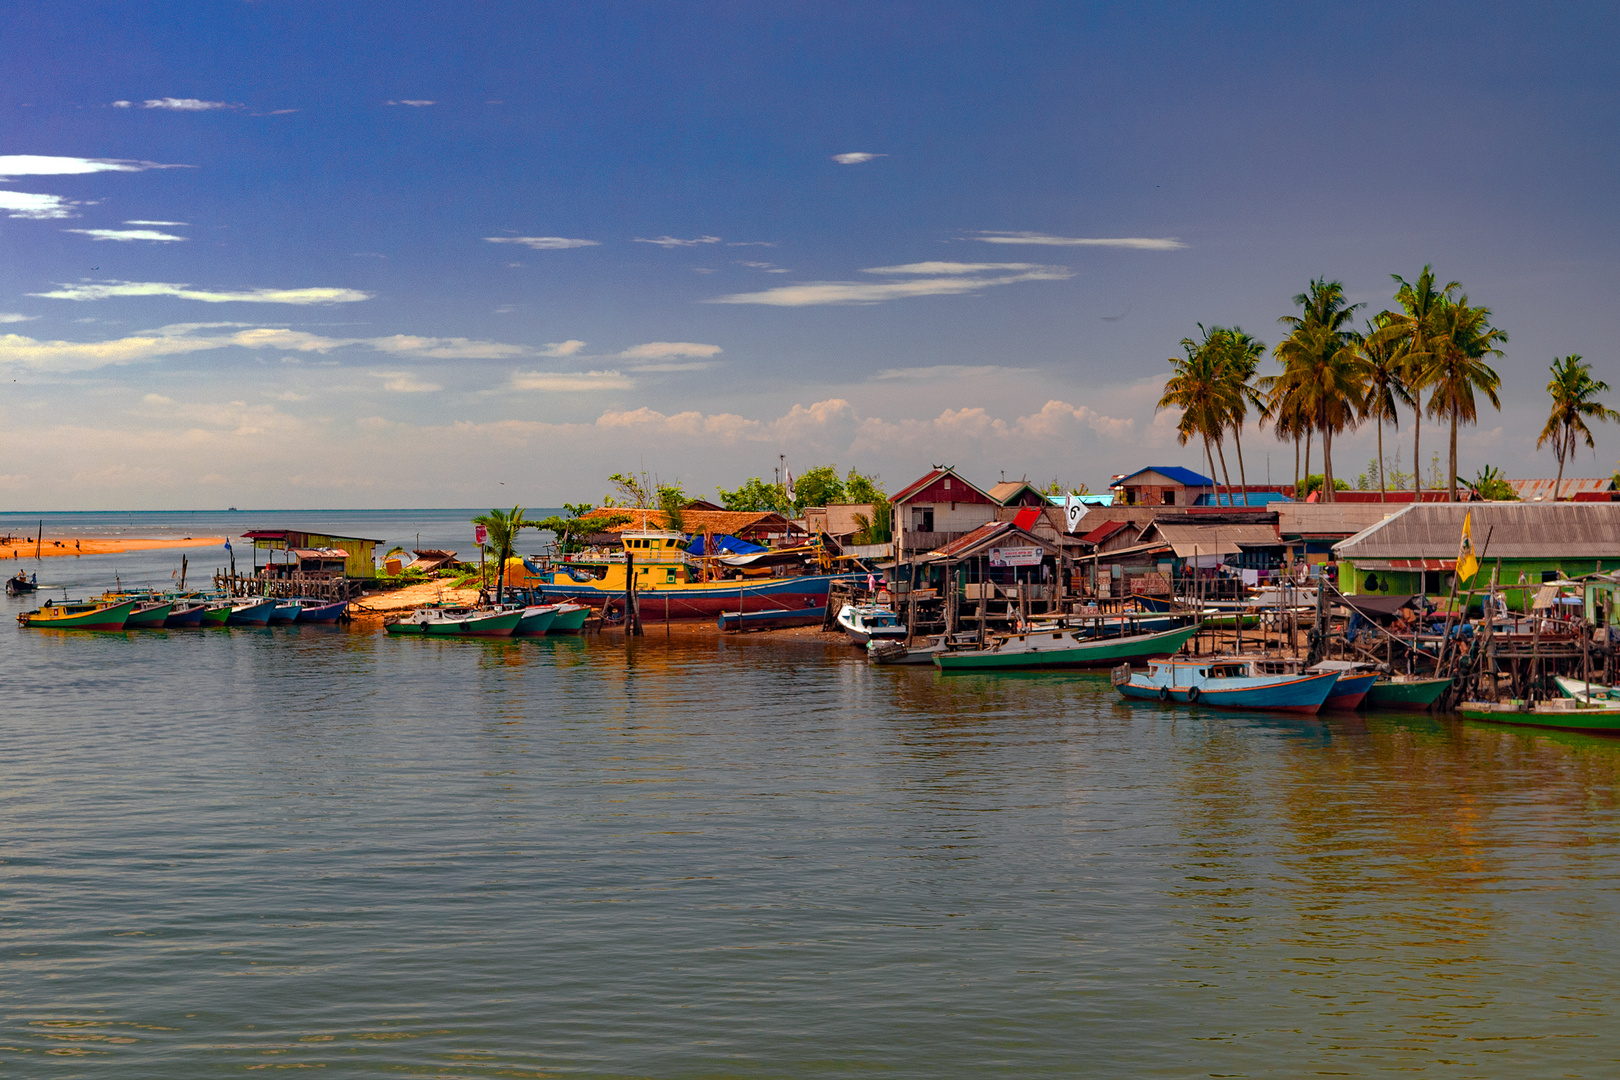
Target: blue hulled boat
column 1228, row 683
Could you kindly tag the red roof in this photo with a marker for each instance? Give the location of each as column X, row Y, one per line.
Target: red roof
column 1104, row 531
column 935, row 479
column 977, row 536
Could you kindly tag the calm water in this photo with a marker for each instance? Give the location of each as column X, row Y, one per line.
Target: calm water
column 227, row 851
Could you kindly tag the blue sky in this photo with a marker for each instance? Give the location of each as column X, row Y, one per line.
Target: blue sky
column 306, row 254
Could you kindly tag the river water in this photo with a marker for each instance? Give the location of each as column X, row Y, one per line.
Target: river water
column 233, row 850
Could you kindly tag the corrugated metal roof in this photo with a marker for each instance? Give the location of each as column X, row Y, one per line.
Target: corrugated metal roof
column 1189, row 540
column 1543, row 489
column 1185, row 477
column 1515, row 531
column 1104, row 531
column 1330, row 519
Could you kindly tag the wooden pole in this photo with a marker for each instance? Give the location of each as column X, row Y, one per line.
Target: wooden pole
column 39, row 542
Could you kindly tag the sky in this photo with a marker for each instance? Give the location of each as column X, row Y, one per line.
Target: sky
column 289, row 254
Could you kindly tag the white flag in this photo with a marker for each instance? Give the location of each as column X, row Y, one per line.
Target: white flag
column 788, row 483
column 1073, row 511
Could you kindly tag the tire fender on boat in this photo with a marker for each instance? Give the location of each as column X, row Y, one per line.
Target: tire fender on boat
column 1192, row 693
column 1164, row 693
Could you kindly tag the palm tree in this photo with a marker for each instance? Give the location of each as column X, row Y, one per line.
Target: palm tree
column 1195, row 387
column 1413, row 327
column 1320, row 376
column 503, row 527
column 1574, row 394
column 1464, row 337
column 1383, row 372
column 1239, row 355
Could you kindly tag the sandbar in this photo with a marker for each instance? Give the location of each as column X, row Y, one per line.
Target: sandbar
column 22, row 547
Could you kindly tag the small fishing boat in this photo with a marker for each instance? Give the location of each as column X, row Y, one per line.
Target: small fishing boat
column 321, row 611
column 251, row 612
column 570, row 618
column 1227, row 683
column 217, row 612
column 1355, row 680
column 1591, row 692
column 1563, row 713
column 863, row 622
column 456, row 622
column 20, row 585
column 79, row 615
column 1407, row 692
column 536, row 620
column 771, row 618
column 149, row 615
column 185, row 614
column 1064, row 649
column 894, row 651
column 285, row 612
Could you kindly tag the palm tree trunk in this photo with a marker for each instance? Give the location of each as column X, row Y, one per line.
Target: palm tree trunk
column 1453, row 487
column 1213, row 475
column 1327, row 464
column 1224, row 472
column 1296, row 466
column 1309, row 433
column 1562, row 449
column 1243, row 479
column 1417, row 433
column 1383, row 492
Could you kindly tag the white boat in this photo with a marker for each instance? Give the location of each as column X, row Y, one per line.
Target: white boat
column 864, row 622
column 896, row 651
column 1589, row 693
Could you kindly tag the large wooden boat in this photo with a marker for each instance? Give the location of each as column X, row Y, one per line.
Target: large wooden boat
column 1227, row 683
column 79, row 615
column 1064, row 649
column 668, row 586
column 1407, row 692
column 1565, row 714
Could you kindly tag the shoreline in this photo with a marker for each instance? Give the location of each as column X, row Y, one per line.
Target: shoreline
column 22, row 547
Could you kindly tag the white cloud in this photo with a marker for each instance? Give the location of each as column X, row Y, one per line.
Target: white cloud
column 125, row 234
column 856, row 292
column 571, row 381
column 947, row 371
column 674, row 242
column 543, row 243
column 25, row 204
column 950, row 268
column 403, row 382
column 446, row 348
column 102, row 291
column 562, row 348
column 663, row 350
column 185, row 104
column 62, row 356
column 688, row 365
column 769, row 268
column 1143, row 243
column 856, row 158
column 11, row 316
column 418, row 103
column 43, row 165
column 169, row 224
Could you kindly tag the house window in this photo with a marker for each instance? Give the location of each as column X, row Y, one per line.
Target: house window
column 1169, row 498
column 922, row 519
column 947, row 483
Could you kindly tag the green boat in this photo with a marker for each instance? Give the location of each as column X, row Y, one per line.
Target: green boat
column 1405, row 693
column 570, row 619
column 148, row 616
column 216, row 612
column 1064, row 649
column 1564, row 714
column 456, row 622
column 78, row 615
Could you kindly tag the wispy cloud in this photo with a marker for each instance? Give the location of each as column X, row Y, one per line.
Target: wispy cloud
column 571, row 381
column 685, row 365
column 856, row 158
column 42, row 165
column 562, row 348
column 178, row 104
column 769, row 268
column 1142, row 243
column 64, row 356
column 750, row 243
column 417, row 102
column 946, row 371
column 663, row 350
column 675, row 242
column 170, row 224
column 104, row 290
column 445, row 348
column 125, row 234
column 11, row 316
column 404, row 382
column 942, row 279
column 25, row 204
column 543, row 243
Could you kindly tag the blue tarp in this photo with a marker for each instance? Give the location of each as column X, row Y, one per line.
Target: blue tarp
column 723, row 545
column 1252, row 498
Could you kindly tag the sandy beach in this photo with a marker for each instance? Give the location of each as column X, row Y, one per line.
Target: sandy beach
column 22, row 547
column 412, row 597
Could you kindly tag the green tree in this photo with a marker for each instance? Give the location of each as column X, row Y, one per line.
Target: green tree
column 876, row 527
column 672, row 500
column 1197, row 388
column 1464, row 338
column 1383, row 371
column 1574, row 401
column 754, row 495
column 1320, row 373
column 633, row 490
column 864, row 489
column 1490, row 484
column 502, row 526
column 1239, row 355
column 818, row 486
column 1413, row 328
column 572, row 530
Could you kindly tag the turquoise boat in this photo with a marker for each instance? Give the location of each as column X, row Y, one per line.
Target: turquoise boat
column 1063, row 649
column 1227, row 683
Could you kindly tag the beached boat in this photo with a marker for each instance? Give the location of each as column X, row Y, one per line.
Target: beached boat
column 1064, row 649
column 1566, row 714
column 321, row 611
column 570, row 619
column 1226, row 683
column 251, row 612
column 1408, row 692
column 895, row 651
column 456, row 622
column 79, row 615
column 771, row 618
column 536, row 620
column 864, row 622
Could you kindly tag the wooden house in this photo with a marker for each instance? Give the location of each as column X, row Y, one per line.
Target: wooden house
column 360, row 552
column 937, row 508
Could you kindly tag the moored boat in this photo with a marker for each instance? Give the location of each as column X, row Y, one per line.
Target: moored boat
column 864, row 622
column 456, row 622
column 1064, row 649
column 1226, row 683
column 322, row 611
column 570, row 619
column 1355, row 679
column 185, row 614
column 1405, row 692
column 536, row 621
column 149, row 615
column 284, row 613
column 771, row 618
column 1587, row 691
column 1563, row 713
column 78, row 615
column 895, row 651
column 251, row 612
column 217, row 612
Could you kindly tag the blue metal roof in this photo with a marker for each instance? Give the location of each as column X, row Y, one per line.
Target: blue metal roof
column 1252, row 498
column 1184, row 477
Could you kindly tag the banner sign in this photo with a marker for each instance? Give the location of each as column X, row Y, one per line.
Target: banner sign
column 1073, row 511
column 480, row 535
column 1016, row 556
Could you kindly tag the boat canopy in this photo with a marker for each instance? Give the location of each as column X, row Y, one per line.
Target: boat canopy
column 724, row 544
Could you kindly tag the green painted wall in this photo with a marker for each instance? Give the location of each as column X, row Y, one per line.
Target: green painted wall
column 1353, row 580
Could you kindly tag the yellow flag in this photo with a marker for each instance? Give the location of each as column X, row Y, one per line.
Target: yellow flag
column 1467, row 565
